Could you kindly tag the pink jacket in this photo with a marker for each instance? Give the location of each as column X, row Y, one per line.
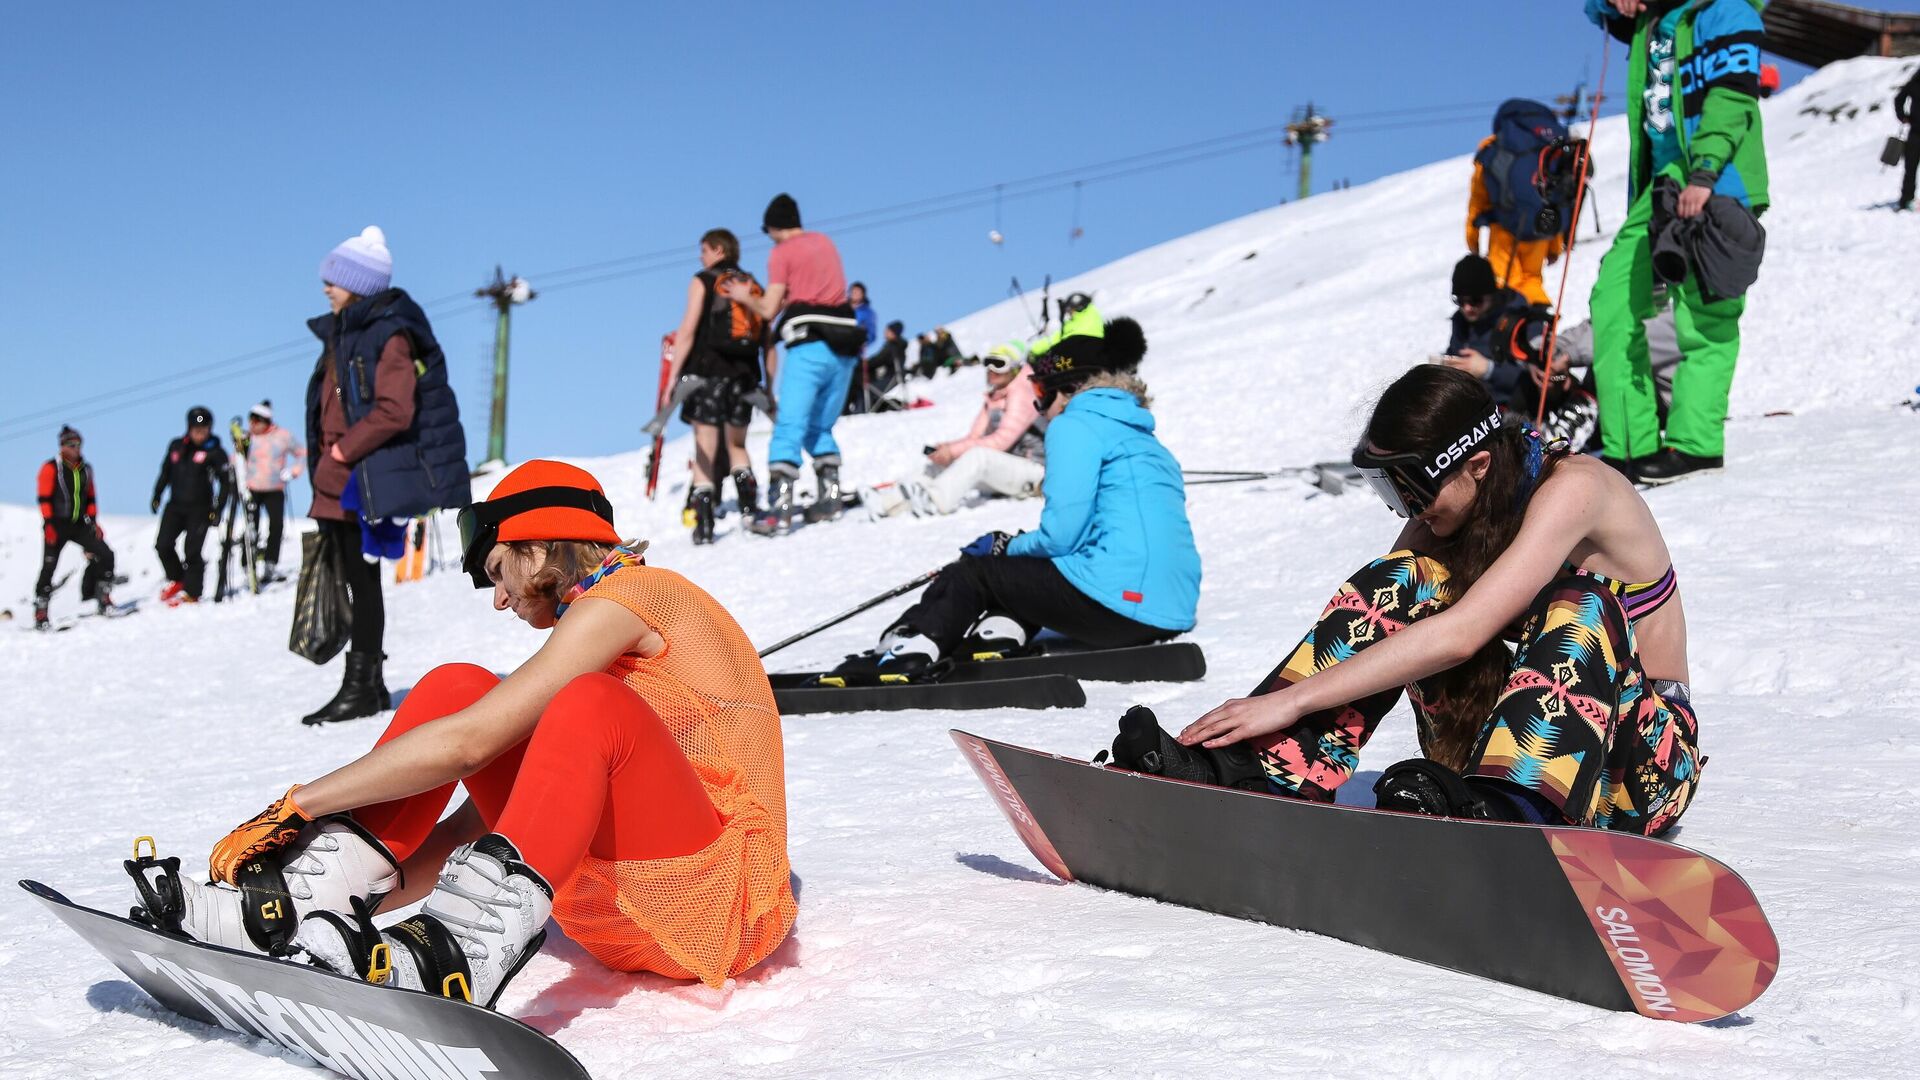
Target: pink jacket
column 1007, row 422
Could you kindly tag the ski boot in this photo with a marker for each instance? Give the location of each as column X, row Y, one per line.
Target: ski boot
column 703, row 515
column 1143, row 747
column 994, row 637
column 905, row 655
column 828, row 500
column 363, row 692
column 105, row 600
column 746, row 493
column 687, row 517
column 170, row 595
column 777, row 520
column 920, row 499
column 40, row 619
column 483, row 922
column 334, row 864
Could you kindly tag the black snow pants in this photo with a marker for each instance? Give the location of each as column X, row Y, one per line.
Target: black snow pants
column 191, row 522
column 1032, row 591
column 99, row 558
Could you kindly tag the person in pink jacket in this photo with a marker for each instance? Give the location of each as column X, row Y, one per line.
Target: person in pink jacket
column 1003, row 453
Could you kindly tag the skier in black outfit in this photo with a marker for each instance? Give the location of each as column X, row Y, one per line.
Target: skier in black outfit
column 67, row 515
column 1903, row 110
column 197, row 471
column 1499, row 337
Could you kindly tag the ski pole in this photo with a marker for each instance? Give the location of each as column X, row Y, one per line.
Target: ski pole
column 850, row 612
column 1584, row 165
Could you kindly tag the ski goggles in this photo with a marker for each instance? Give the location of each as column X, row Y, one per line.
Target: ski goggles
column 480, row 523
column 1410, row 482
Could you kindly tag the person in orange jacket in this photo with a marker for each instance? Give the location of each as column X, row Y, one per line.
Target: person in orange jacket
column 1516, row 263
column 68, row 515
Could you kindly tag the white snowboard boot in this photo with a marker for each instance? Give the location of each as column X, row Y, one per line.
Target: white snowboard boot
column 332, row 864
column 483, row 922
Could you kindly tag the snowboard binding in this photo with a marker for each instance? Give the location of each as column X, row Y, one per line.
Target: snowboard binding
column 1144, row 747
column 157, row 881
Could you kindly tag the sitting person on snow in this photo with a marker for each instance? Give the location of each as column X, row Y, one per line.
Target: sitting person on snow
column 1587, row 723
column 1500, row 337
column 625, row 780
column 1113, row 562
column 1002, row 454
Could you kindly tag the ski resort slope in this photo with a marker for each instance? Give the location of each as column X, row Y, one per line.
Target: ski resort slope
column 929, row 943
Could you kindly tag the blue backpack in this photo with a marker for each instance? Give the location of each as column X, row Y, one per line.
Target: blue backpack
column 1528, row 169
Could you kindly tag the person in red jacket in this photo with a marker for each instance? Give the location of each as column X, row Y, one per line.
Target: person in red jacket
column 68, row 515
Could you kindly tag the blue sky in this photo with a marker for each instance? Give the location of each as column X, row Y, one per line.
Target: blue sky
column 176, row 172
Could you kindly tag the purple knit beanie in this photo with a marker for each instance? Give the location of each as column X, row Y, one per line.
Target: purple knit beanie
column 361, row 264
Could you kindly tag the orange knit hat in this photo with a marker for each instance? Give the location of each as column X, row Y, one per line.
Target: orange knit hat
column 538, row 500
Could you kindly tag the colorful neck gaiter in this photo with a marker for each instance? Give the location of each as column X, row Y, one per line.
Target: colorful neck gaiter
column 620, row 556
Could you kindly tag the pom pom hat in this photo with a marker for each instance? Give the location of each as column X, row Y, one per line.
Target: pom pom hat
column 538, row 500
column 362, row 265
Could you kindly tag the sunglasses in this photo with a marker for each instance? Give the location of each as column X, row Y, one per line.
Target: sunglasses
column 480, row 523
column 74, row 443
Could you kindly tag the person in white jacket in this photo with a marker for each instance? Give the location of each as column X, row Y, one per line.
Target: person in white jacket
column 1003, row 453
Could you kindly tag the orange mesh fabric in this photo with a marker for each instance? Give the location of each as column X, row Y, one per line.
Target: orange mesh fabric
column 719, row 911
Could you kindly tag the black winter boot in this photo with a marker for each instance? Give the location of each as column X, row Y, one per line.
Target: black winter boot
column 1143, row 747
column 746, row 493
column 362, row 692
column 703, row 515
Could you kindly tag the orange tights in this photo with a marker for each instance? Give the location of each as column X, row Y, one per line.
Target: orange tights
column 599, row 774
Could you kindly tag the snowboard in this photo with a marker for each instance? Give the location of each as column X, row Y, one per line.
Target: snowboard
column 1026, row 692
column 1617, row 921
column 351, row 1027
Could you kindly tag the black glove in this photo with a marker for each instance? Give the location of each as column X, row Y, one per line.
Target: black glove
column 993, row 543
column 155, row 504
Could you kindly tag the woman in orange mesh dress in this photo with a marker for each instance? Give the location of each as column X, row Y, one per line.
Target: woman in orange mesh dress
column 626, row 780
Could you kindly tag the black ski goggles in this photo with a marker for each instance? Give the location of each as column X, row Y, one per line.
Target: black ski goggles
column 480, row 523
column 1410, row 482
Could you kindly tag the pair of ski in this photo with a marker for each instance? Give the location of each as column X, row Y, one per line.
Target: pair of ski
column 1044, row 680
column 117, row 611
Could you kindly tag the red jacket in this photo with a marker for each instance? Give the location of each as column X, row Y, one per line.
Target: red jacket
column 66, row 494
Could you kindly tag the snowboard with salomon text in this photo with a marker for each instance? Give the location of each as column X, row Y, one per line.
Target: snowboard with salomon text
column 1614, row 920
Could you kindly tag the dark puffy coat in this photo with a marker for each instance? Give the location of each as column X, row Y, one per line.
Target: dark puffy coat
column 425, row 467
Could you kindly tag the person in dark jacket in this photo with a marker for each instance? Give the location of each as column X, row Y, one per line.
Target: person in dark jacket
column 68, row 515
column 386, row 442
column 1499, row 337
column 1903, row 111
column 197, row 473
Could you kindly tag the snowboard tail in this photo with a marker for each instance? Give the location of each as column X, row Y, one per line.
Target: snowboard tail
column 354, row 1028
column 1613, row 920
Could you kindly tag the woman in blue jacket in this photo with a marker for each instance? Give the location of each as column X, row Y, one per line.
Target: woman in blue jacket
column 1112, row 563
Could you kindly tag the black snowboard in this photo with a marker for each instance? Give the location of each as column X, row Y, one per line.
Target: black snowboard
column 1618, row 921
column 1028, row 692
column 351, row 1027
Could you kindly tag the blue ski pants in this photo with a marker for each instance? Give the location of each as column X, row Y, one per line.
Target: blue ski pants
column 813, row 390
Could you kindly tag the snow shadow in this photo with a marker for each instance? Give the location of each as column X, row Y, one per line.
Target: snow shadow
column 120, row 996
column 1001, row 868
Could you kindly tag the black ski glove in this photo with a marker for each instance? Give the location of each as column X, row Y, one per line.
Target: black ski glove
column 993, row 543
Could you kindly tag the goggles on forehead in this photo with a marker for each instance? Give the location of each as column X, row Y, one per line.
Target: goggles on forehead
column 1410, row 482
column 73, row 442
column 480, row 523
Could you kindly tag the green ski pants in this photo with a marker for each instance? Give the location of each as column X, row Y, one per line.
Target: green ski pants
column 1709, row 338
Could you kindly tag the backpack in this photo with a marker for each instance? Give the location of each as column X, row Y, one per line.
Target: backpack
column 733, row 330
column 1530, row 171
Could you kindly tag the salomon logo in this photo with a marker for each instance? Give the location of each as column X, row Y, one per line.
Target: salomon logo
column 1634, row 960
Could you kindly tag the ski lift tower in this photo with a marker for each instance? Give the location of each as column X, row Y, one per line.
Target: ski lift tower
column 504, row 293
column 1306, row 129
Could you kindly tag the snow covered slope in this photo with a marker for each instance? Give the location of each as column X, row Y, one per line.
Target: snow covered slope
column 929, row 944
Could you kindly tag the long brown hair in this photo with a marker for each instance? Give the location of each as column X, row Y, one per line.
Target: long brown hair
column 1424, row 411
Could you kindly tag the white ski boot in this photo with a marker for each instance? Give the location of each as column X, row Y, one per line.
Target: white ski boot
column 483, row 922
column 334, row 863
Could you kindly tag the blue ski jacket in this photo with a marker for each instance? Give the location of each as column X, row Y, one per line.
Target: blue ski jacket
column 1115, row 519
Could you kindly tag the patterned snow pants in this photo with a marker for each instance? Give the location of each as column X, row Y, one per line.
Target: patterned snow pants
column 1578, row 722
